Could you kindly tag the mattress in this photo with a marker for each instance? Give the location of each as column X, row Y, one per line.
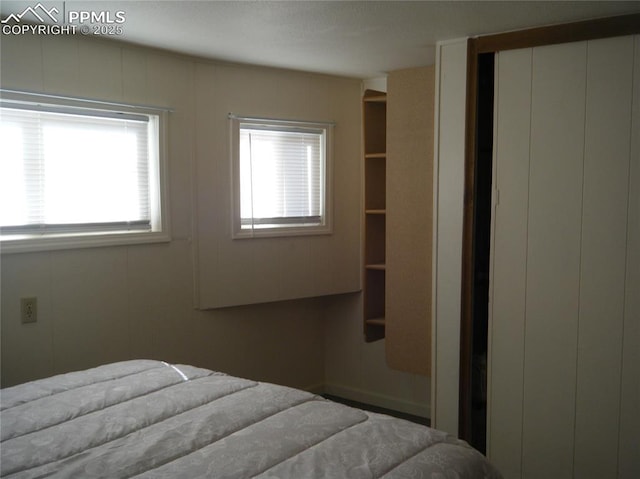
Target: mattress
column 150, row 419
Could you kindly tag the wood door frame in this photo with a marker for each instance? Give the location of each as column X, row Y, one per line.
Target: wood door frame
column 533, row 37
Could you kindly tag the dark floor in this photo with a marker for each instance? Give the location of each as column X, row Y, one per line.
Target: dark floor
column 368, row 407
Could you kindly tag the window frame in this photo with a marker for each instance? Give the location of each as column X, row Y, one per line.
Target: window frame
column 283, row 230
column 159, row 202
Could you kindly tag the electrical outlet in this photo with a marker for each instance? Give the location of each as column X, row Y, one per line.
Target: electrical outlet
column 29, row 310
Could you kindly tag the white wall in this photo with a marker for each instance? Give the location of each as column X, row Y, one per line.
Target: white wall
column 246, row 271
column 451, row 78
column 357, row 370
column 107, row 304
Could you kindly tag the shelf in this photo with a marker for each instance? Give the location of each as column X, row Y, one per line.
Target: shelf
column 376, row 98
column 375, row 184
column 375, row 321
column 376, row 267
column 375, row 181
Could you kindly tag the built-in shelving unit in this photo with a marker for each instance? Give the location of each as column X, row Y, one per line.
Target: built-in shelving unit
column 374, row 106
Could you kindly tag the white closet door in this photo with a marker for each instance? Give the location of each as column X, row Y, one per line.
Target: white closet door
column 506, row 348
column 629, row 458
column 562, row 251
column 603, row 255
column 553, row 258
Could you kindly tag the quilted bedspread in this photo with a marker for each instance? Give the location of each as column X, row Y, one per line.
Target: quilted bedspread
column 149, row 419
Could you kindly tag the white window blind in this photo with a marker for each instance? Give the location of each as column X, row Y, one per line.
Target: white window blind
column 69, row 171
column 282, row 175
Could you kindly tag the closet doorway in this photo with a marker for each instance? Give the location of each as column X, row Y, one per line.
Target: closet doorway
column 473, row 380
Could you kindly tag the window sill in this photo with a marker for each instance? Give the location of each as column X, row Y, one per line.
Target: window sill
column 62, row 242
column 248, row 233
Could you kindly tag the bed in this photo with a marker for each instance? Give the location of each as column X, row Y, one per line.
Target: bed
column 150, row 419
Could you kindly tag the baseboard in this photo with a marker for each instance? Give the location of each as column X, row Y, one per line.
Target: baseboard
column 375, row 399
column 318, row 389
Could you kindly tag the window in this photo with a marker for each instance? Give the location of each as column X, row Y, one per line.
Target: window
column 281, row 177
column 74, row 176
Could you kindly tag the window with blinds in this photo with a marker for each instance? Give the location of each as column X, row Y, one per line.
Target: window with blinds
column 68, row 173
column 281, row 171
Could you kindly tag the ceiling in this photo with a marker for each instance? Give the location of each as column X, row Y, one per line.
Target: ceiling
column 363, row 39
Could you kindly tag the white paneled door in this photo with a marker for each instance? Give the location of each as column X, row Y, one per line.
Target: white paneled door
column 564, row 378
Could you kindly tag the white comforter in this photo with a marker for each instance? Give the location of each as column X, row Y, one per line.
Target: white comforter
column 149, row 419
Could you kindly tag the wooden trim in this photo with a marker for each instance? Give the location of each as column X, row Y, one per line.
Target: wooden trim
column 466, row 320
column 533, row 37
column 566, row 33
